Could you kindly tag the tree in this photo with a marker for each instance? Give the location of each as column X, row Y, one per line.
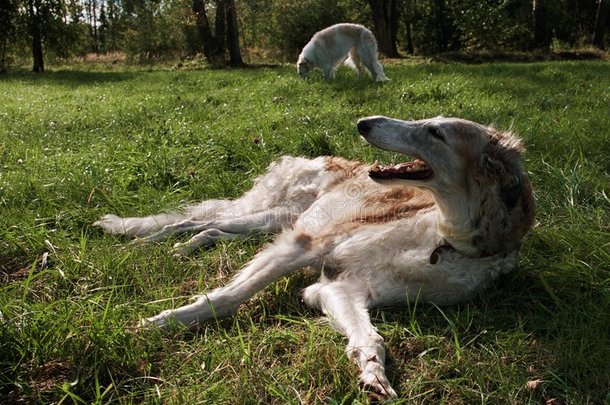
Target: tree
column 233, row 35
column 46, row 24
column 225, row 32
column 443, row 26
column 8, row 14
column 35, row 11
column 385, row 25
column 601, row 22
column 408, row 19
column 542, row 27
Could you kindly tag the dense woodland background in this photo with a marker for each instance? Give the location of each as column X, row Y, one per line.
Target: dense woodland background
column 231, row 32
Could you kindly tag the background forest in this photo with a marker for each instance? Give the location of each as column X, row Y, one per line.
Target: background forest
column 238, row 31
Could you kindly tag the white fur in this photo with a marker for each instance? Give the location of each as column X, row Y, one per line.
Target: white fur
column 351, row 44
column 376, row 242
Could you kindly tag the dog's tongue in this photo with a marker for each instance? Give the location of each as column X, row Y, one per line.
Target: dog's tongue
column 417, row 169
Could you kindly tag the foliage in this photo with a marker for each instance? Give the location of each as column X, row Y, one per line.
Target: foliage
column 163, row 28
column 76, row 144
column 278, row 29
column 493, row 25
column 8, row 29
column 295, row 23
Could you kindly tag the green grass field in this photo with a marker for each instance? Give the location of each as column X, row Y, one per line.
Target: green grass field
column 76, row 144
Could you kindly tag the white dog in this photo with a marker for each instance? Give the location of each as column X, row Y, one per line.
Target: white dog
column 437, row 229
column 351, row 44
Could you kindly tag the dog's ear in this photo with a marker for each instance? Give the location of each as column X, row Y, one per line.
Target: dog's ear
column 508, row 209
column 490, row 164
column 500, row 162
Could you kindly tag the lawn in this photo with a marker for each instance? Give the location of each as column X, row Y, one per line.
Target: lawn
column 76, row 144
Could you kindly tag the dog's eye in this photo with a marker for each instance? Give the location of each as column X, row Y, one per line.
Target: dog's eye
column 435, row 132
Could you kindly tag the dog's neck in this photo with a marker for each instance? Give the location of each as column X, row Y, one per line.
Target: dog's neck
column 456, row 227
column 493, row 224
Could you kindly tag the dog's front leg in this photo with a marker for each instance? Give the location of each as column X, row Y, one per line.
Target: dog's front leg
column 290, row 252
column 328, row 73
column 345, row 304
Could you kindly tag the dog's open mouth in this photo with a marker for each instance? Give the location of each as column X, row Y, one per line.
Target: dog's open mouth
column 415, row 170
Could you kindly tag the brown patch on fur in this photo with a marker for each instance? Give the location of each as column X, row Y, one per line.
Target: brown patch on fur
column 393, row 195
column 304, row 240
column 396, row 203
column 346, row 168
column 338, row 164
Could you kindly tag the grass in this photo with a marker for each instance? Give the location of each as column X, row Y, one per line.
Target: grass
column 76, row 144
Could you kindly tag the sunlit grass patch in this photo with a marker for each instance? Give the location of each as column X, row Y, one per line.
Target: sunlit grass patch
column 78, row 144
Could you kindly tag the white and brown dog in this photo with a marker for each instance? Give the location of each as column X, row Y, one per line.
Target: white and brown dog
column 437, row 229
column 351, row 44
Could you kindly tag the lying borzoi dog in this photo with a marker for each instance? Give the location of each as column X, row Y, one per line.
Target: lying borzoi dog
column 351, row 44
column 437, row 229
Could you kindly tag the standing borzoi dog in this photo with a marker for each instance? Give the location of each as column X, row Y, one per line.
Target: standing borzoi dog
column 351, row 44
column 437, row 229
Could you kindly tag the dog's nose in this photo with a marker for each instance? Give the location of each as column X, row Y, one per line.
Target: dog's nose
column 364, row 126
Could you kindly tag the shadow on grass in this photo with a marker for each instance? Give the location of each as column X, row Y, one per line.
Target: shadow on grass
column 68, row 78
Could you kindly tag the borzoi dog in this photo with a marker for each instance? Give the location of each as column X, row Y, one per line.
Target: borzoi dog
column 437, row 229
column 351, row 44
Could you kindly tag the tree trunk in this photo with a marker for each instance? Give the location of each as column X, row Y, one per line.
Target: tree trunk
column 442, row 27
column 213, row 46
column 385, row 26
column 96, row 39
column 35, row 31
column 542, row 29
column 220, row 26
column 233, row 35
column 601, row 21
column 408, row 17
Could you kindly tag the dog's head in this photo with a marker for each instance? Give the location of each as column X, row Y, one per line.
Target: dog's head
column 304, row 67
column 474, row 172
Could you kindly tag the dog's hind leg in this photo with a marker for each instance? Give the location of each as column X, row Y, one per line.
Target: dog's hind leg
column 141, row 226
column 346, row 305
column 287, row 254
column 268, row 221
column 137, row 226
column 380, row 75
column 369, row 60
column 354, row 62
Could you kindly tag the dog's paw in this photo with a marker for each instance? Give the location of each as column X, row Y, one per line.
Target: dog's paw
column 374, row 382
column 110, row 223
column 160, row 321
column 182, row 249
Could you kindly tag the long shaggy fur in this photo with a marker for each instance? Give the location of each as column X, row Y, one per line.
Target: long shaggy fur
column 351, row 44
column 438, row 229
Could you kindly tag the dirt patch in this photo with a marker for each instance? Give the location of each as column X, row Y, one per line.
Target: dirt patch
column 16, row 264
column 43, row 381
column 50, row 375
